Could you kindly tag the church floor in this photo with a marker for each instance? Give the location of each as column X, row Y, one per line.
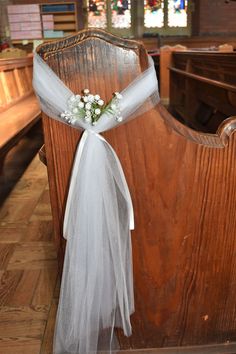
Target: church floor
column 28, row 266
column 29, row 285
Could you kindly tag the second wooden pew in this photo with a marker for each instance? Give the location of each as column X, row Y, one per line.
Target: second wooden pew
column 203, row 88
column 19, row 108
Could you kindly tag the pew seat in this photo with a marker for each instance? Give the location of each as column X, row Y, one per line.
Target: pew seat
column 16, row 122
column 19, row 108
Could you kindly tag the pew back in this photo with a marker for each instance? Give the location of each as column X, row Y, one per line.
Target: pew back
column 15, row 80
column 203, row 88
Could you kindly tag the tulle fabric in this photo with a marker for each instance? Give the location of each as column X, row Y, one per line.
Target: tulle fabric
column 97, row 283
column 96, row 290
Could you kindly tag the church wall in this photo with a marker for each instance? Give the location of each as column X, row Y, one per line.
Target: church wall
column 210, row 17
column 216, row 17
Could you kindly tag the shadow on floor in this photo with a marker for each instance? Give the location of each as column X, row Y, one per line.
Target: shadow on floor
column 17, row 160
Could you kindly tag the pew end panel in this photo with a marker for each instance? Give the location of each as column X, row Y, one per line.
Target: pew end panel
column 78, row 61
column 189, row 215
column 184, row 196
column 165, row 63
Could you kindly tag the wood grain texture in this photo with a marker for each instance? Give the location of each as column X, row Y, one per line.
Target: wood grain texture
column 22, row 346
column 47, row 343
column 23, row 313
column 184, row 197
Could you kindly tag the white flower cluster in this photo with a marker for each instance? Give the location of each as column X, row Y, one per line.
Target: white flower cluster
column 90, row 107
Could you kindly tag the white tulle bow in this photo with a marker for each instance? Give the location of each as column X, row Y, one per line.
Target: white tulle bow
column 97, row 283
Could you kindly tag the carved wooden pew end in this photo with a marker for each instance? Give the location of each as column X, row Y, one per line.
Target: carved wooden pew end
column 183, row 191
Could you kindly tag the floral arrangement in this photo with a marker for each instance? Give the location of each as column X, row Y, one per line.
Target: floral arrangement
column 90, row 108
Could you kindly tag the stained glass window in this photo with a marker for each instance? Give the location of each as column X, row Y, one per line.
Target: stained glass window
column 177, row 13
column 97, row 13
column 161, row 16
column 153, row 13
column 121, row 14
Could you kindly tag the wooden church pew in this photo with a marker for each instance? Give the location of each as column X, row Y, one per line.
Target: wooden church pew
column 203, row 88
column 212, row 41
column 19, row 109
column 165, row 62
column 182, row 183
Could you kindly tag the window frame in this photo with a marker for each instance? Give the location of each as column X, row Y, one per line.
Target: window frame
column 167, row 30
column 137, row 28
column 125, row 32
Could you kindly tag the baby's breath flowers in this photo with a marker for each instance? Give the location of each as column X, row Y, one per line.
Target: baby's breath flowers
column 90, row 107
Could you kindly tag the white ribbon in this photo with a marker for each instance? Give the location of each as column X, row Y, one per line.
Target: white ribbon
column 76, row 164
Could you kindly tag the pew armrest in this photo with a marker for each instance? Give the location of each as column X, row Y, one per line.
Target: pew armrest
column 218, row 140
column 204, row 79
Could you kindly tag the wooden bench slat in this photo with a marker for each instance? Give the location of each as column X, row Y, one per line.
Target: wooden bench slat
column 18, row 118
column 204, row 79
column 10, row 64
column 202, row 91
column 19, row 108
